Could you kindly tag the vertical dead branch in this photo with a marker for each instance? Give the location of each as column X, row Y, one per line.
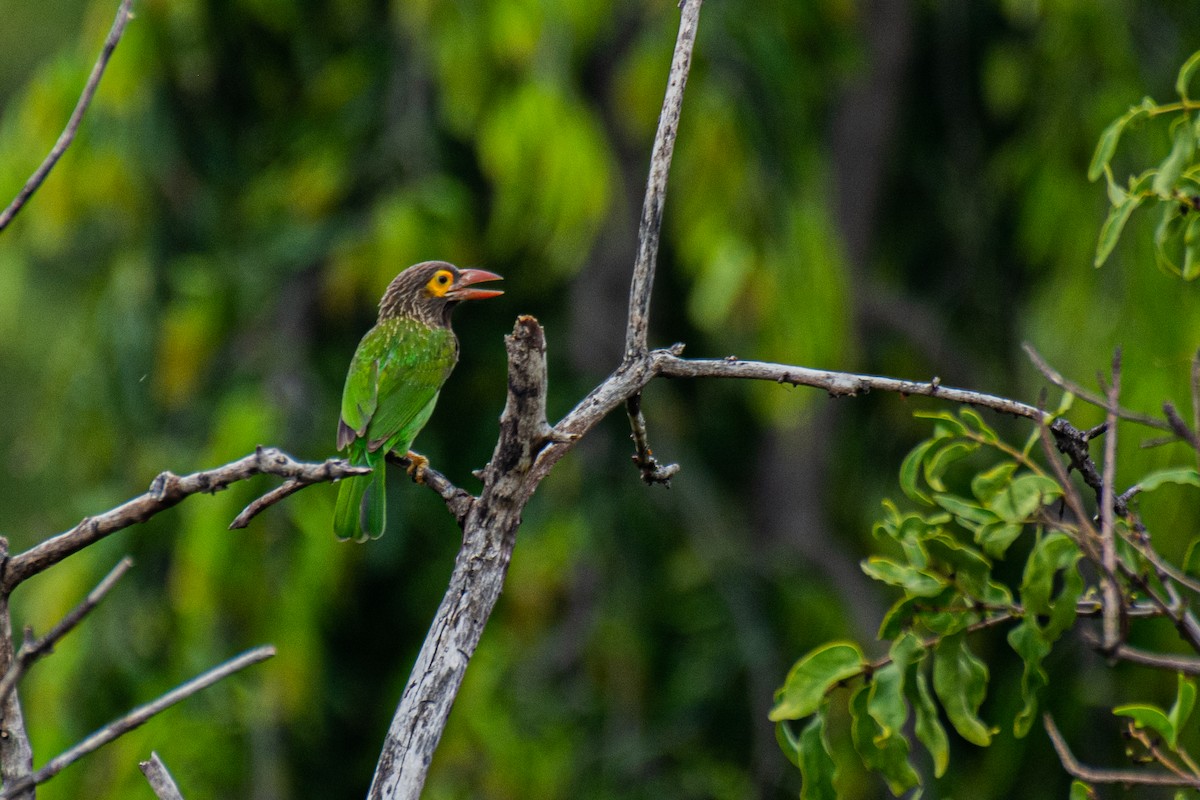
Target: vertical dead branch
column 636, row 333
column 489, row 533
column 160, row 778
column 1108, row 545
column 16, row 754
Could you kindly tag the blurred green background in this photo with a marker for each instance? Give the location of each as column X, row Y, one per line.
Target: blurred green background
column 888, row 186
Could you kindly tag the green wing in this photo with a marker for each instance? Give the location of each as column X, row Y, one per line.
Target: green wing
column 393, row 383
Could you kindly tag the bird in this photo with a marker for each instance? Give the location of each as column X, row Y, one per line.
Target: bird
column 393, row 384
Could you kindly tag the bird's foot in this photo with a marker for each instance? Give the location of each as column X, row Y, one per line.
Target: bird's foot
column 417, row 464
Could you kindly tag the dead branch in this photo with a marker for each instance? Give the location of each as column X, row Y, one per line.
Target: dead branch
column 1129, row 777
column 32, row 650
column 133, row 719
column 489, row 532
column 168, row 490
column 160, row 778
column 124, row 14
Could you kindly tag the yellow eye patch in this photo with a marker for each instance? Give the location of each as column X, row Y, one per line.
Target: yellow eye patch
column 440, row 283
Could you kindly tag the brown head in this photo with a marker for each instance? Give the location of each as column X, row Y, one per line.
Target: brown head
column 430, row 290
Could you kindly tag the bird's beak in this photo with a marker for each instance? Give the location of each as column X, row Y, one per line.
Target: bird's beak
column 469, row 277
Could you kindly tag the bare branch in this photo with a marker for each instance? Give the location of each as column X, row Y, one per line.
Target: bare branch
column 1110, row 590
column 643, row 457
column 837, row 384
column 1050, row 374
column 458, row 501
column 32, row 651
column 1093, row 775
column 636, row 332
column 1189, row 665
column 159, row 778
column 489, row 533
column 16, row 752
column 68, row 135
column 134, row 719
column 1179, row 427
column 330, row 470
column 166, row 491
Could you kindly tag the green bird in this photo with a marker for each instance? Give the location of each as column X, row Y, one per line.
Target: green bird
column 393, row 384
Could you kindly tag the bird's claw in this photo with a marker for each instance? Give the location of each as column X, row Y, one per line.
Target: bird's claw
column 417, row 464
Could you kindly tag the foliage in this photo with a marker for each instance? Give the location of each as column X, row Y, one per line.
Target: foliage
column 943, row 559
column 1173, row 186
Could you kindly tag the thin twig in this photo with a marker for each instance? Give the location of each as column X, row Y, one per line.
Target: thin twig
column 68, row 135
column 1110, row 591
column 1050, row 374
column 1149, row 741
column 1179, row 427
column 160, row 778
column 166, row 491
column 1189, row 665
column 1094, row 775
column 1183, row 620
column 636, row 331
column 457, row 500
column 135, row 718
column 31, row 651
column 1196, row 400
column 643, row 457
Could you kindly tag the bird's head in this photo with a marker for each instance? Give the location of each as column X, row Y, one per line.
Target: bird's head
column 429, row 291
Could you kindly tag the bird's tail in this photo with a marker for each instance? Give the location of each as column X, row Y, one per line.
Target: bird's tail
column 361, row 509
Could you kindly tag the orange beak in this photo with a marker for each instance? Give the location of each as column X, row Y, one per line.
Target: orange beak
column 469, row 277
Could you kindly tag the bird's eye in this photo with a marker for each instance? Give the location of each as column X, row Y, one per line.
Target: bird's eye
column 443, row 278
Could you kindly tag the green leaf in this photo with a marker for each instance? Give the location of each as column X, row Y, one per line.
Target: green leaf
column 947, row 425
column 1169, row 226
column 887, row 754
column 960, row 682
column 1110, row 232
column 915, row 582
column 885, row 701
column 1191, row 248
column 971, row 570
column 996, row 537
column 928, row 726
column 1185, row 75
column 814, row 675
column 1185, row 476
column 789, row 742
column 910, row 470
column 1052, row 553
column 986, row 485
column 974, row 421
column 904, row 610
column 942, row 458
column 1106, row 148
column 886, row 704
column 1081, row 791
column 1148, row 716
column 965, row 510
column 817, row 767
column 1183, row 147
column 1024, row 496
column 1185, row 701
column 1029, row 643
column 1191, row 559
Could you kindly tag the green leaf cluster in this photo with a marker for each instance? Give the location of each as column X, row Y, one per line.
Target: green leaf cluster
column 942, row 563
column 1172, row 186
